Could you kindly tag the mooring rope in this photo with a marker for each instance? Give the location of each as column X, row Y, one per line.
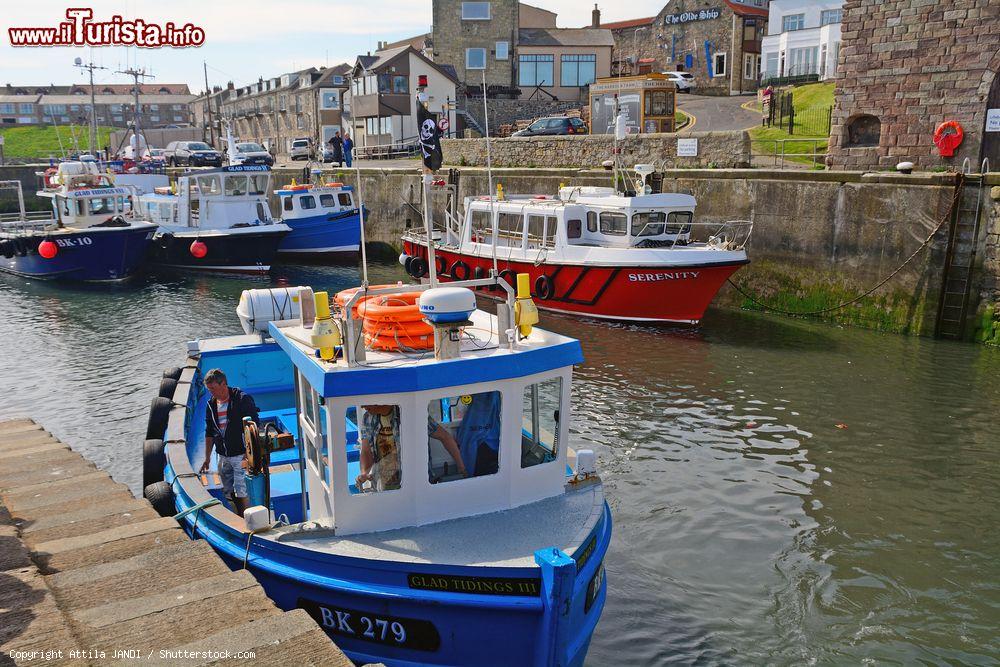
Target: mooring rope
column 869, row 292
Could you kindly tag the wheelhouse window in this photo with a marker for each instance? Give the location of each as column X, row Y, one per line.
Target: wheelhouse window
column 591, row 221
column 209, row 186
column 287, row 204
column 535, row 69
column 100, row 206
column 236, row 186
column 345, row 199
column 463, row 436
column 327, row 201
column 307, row 202
column 541, row 229
column 475, row 11
column 510, row 227
column 574, row 229
column 648, row 224
column 258, row 184
column 614, row 224
column 314, row 431
column 378, row 444
column 482, row 227
column 577, row 69
column 540, row 423
column 679, row 222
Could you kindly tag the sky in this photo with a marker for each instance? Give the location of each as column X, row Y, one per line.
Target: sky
column 244, row 39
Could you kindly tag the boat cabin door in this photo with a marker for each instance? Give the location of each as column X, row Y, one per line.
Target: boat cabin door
column 314, row 430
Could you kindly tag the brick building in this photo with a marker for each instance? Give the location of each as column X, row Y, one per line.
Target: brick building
column 160, row 105
column 905, row 67
column 719, row 42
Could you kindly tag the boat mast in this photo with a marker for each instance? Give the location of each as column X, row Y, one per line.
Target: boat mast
column 93, row 104
column 489, row 176
column 136, row 74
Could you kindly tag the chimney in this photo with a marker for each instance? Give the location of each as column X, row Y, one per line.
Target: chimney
column 595, row 17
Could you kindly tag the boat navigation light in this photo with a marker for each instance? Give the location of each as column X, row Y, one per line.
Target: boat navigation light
column 325, row 334
column 525, row 310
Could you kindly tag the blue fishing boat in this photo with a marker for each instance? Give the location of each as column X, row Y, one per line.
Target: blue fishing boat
column 90, row 234
column 411, row 481
column 325, row 220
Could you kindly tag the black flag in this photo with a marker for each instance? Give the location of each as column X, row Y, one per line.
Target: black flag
column 430, row 138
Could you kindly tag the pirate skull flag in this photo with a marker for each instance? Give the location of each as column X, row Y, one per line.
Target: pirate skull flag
column 430, row 138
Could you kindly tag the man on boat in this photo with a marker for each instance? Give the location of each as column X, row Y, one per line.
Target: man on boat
column 479, row 433
column 224, row 431
column 379, row 436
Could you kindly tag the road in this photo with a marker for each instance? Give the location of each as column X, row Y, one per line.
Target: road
column 710, row 113
column 364, row 164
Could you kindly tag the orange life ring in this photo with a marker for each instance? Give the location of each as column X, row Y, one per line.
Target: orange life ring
column 343, row 296
column 394, row 321
column 334, row 185
column 947, row 141
column 299, row 187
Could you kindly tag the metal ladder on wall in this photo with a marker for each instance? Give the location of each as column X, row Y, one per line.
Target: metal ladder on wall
column 960, row 259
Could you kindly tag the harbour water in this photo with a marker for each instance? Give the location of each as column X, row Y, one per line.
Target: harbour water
column 784, row 492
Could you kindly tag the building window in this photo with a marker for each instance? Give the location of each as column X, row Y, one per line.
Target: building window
column 659, row 103
column 719, row 64
column 830, row 16
column 25, row 120
column 751, row 63
column 475, row 11
column 330, row 99
column 535, row 70
column 6, row 108
column 503, row 50
column 803, row 61
column 577, row 69
column 793, row 22
column 400, row 84
column 26, row 108
column 475, row 59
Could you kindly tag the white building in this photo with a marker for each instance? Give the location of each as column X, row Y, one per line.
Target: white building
column 803, row 38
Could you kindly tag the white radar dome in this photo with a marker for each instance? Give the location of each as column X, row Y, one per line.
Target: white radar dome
column 447, row 304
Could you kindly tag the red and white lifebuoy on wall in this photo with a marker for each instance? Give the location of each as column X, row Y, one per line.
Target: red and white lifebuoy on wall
column 948, row 136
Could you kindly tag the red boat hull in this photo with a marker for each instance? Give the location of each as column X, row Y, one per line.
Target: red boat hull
column 656, row 294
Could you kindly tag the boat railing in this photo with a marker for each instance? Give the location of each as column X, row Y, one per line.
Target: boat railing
column 731, row 235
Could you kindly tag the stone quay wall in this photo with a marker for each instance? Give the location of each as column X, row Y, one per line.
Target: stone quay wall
column 913, row 64
column 715, row 149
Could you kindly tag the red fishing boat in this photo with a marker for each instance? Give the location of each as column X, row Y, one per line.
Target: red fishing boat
column 591, row 251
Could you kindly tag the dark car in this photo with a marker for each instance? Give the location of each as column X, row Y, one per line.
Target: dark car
column 191, row 154
column 553, row 125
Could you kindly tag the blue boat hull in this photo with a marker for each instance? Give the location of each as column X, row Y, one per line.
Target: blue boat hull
column 90, row 255
column 332, row 234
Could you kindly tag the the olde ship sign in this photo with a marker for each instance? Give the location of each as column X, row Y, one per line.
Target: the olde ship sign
column 687, row 17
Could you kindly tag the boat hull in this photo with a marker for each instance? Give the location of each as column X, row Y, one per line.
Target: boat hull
column 679, row 293
column 104, row 254
column 238, row 251
column 336, row 234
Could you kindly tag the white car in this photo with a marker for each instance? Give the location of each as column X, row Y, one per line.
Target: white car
column 683, row 80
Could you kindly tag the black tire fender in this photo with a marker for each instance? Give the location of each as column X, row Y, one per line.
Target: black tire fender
column 159, row 413
column 167, row 387
column 544, row 289
column 418, row 267
column 173, row 373
column 408, row 265
column 441, row 266
column 154, row 459
column 460, row 270
column 509, row 277
column 161, row 497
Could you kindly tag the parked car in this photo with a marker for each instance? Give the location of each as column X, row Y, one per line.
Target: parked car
column 248, row 152
column 156, row 155
column 683, row 80
column 301, row 149
column 192, row 154
column 553, row 125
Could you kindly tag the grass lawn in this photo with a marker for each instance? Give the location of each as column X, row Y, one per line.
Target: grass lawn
column 680, row 119
column 43, row 141
column 810, row 101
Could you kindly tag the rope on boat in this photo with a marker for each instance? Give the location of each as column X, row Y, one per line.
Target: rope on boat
column 195, row 508
column 869, row 292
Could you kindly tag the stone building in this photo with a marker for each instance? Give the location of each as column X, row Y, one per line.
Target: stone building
column 308, row 103
column 718, row 41
column 905, row 67
column 160, row 105
column 211, row 123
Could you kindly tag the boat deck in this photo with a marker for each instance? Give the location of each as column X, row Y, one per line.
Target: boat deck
column 499, row 539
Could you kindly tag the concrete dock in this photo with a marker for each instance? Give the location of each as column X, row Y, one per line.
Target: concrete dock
column 91, row 575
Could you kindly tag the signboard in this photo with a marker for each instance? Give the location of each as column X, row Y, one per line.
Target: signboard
column 688, row 17
column 687, row 148
column 992, row 121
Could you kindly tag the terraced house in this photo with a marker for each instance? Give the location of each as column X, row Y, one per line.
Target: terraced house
column 160, row 105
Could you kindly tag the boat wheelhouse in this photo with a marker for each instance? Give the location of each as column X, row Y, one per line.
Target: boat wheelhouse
column 217, row 220
column 439, row 552
column 591, row 251
column 325, row 220
column 90, row 234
